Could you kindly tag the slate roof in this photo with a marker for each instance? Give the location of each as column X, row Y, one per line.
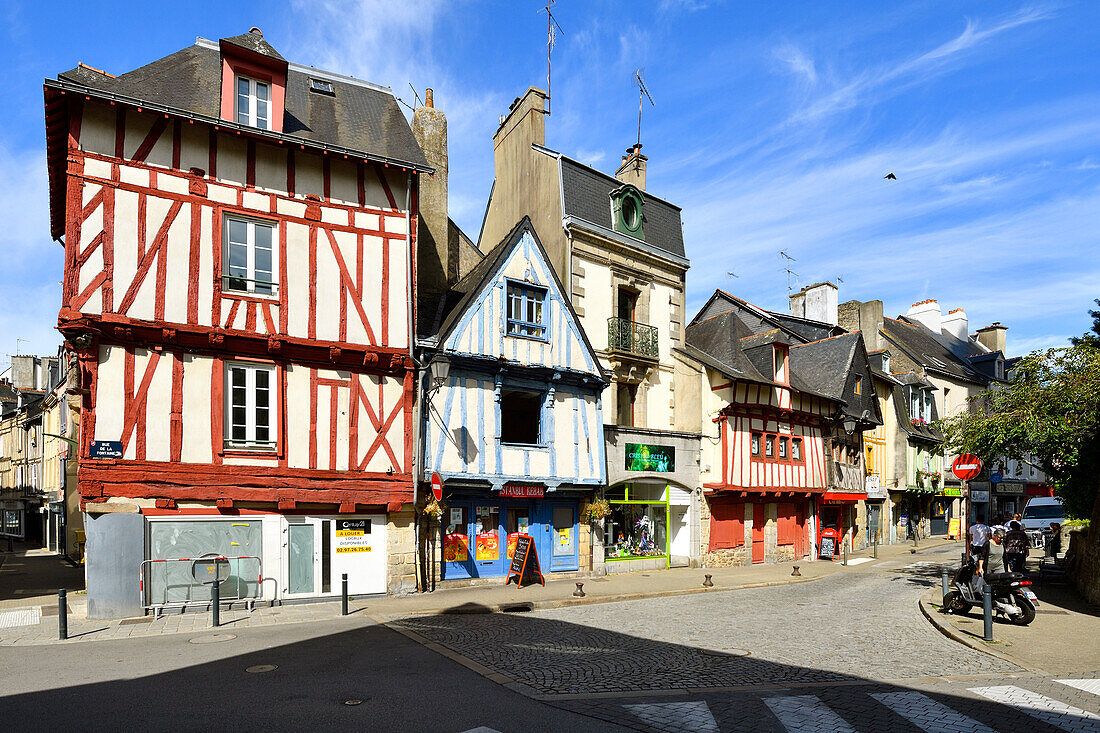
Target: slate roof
column 901, row 412
column 823, row 366
column 809, row 330
column 586, row 195
column 359, row 117
column 718, row 339
column 923, row 347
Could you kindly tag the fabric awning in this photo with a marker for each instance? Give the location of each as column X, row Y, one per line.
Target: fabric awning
column 843, row 496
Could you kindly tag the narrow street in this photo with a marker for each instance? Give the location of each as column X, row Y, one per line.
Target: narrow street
column 848, row 652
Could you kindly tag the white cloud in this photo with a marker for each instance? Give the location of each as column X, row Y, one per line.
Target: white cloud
column 796, row 62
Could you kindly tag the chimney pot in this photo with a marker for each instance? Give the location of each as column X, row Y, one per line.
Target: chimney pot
column 257, row 31
column 429, row 98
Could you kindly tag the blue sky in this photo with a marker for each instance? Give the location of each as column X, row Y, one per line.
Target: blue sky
column 774, row 126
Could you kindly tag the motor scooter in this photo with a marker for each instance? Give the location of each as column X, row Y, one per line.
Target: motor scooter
column 1012, row 598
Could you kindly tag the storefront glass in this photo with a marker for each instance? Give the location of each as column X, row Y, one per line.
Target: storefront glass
column 638, row 525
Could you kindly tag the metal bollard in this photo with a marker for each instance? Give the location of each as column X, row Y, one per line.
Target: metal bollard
column 987, row 603
column 876, row 545
column 62, row 615
column 215, row 603
column 843, row 552
column 344, row 594
column 579, row 592
column 945, row 579
column 708, row 583
column 795, row 572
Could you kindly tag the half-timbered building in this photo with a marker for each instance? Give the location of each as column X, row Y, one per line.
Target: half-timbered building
column 239, row 285
column 513, row 419
column 783, row 409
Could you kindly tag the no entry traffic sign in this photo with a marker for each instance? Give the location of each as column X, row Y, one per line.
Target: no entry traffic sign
column 966, row 467
column 437, row 487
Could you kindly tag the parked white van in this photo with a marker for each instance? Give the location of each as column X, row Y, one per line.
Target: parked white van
column 1039, row 513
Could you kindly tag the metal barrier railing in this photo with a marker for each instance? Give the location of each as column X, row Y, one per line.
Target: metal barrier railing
column 168, row 583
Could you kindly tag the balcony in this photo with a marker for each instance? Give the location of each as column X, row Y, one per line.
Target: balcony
column 628, row 337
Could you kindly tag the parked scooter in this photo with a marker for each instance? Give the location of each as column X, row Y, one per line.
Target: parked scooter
column 1012, row 597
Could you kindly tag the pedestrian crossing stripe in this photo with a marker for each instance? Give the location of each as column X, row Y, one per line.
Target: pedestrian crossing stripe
column 1092, row 686
column 806, row 712
column 927, row 714
column 1046, row 709
column 692, row 716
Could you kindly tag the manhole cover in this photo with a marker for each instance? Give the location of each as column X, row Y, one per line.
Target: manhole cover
column 727, row 652
column 258, row 668
column 211, row 639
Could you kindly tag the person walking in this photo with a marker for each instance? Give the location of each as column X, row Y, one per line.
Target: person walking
column 979, row 542
column 1015, row 548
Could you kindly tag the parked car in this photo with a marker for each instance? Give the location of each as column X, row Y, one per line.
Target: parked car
column 1039, row 513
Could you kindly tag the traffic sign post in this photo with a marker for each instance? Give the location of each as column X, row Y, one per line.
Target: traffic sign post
column 966, row 468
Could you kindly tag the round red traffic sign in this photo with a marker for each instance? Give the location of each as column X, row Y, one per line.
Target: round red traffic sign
column 966, row 467
column 437, row 487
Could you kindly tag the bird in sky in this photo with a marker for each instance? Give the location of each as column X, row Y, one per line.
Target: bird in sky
column 890, row 177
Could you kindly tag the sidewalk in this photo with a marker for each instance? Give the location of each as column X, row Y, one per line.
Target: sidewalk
column 38, row 624
column 32, row 576
column 1064, row 638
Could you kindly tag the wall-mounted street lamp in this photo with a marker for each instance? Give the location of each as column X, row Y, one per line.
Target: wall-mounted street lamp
column 440, row 369
column 849, row 425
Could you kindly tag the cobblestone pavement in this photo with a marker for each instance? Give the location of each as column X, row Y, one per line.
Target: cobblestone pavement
column 847, row 653
column 862, row 624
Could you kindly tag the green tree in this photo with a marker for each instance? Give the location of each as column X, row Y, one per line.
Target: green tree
column 1047, row 415
column 1092, row 336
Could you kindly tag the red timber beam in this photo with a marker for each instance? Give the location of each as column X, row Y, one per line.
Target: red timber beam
column 100, row 479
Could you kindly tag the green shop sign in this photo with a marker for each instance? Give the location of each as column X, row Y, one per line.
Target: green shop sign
column 660, row 458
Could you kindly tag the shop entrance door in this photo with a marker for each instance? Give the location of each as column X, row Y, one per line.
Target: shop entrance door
column 557, row 545
column 758, row 533
column 302, row 554
column 940, row 516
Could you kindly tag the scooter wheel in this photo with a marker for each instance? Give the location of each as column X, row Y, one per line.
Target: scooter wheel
column 1026, row 606
column 954, row 602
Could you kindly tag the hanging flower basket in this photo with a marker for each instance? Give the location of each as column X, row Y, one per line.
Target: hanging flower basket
column 596, row 510
column 434, row 509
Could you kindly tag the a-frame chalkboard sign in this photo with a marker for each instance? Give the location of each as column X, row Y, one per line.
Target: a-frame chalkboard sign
column 525, row 563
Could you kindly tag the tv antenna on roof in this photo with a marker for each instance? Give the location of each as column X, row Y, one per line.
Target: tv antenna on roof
column 552, row 30
column 790, row 273
column 642, row 91
column 18, row 347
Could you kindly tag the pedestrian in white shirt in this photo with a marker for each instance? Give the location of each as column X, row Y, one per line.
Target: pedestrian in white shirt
column 979, row 542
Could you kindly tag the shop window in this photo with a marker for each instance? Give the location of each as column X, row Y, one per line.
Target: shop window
column 638, row 525
column 238, row 539
column 756, row 444
column 769, row 446
column 526, row 311
column 249, row 403
column 520, row 417
column 727, row 525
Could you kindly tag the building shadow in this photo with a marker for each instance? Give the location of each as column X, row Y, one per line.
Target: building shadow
column 33, row 575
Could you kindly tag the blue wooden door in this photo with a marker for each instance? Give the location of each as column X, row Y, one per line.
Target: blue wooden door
column 457, row 547
column 557, row 535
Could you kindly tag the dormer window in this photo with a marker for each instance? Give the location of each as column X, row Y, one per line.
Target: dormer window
column 886, row 361
column 253, row 102
column 321, row 87
column 779, row 363
column 526, row 315
column 627, row 211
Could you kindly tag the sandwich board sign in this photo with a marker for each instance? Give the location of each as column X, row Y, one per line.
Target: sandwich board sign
column 525, row 563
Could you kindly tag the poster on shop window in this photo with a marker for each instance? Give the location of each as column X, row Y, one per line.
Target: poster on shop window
column 454, row 547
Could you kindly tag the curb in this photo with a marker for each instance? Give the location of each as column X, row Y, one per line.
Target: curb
column 930, row 613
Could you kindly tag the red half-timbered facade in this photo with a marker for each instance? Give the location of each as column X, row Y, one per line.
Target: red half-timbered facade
column 239, row 239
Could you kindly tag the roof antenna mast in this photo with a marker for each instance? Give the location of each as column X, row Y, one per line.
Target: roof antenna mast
column 790, row 273
column 552, row 31
column 642, row 92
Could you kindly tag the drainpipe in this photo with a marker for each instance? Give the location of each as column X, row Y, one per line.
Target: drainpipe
column 409, row 289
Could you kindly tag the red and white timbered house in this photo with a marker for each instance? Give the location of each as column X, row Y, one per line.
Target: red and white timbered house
column 768, row 466
column 239, row 282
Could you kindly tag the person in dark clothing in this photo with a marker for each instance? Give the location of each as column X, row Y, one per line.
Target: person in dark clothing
column 1015, row 548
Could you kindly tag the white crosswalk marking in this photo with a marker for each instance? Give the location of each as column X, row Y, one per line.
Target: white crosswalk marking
column 1092, row 686
column 1049, row 710
column 928, row 714
column 807, row 712
column 690, row 717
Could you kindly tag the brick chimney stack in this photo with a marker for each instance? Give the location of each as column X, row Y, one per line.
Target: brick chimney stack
column 632, row 170
column 437, row 265
column 993, row 337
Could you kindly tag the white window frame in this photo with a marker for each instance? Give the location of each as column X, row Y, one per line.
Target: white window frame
column 251, row 115
column 251, row 423
column 250, row 280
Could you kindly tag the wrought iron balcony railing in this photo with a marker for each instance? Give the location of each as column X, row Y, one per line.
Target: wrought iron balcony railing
column 632, row 338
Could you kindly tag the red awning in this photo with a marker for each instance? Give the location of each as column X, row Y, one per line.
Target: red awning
column 843, row 496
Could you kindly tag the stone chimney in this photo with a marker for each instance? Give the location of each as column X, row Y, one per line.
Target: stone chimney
column 926, row 312
column 522, row 127
column 632, row 170
column 817, row 302
column 955, row 324
column 437, row 265
column 993, row 337
column 866, row 318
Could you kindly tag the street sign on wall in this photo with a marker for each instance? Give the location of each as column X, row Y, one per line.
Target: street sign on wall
column 966, row 467
column 105, row 449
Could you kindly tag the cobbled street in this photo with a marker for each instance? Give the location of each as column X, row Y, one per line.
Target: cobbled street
column 849, row 652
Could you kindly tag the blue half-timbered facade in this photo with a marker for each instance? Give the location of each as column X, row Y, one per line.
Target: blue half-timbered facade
column 515, row 428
